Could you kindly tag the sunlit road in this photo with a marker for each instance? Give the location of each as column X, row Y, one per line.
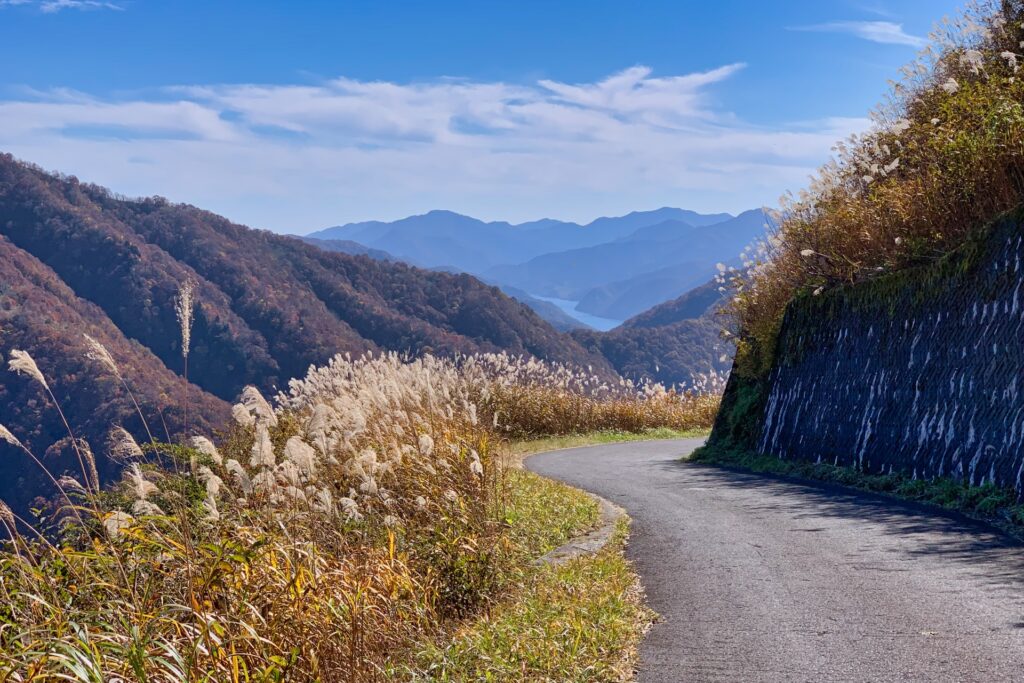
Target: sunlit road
column 762, row 579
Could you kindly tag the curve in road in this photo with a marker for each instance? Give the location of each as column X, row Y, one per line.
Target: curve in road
column 759, row 578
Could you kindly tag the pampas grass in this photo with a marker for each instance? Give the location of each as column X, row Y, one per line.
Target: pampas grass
column 122, row 445
column 319, row 540
column 98, row 352
column 184, row 308
column 5, row 435
column 23, row 364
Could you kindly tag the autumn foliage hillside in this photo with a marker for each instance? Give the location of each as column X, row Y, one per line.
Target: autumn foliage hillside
column 78, row 260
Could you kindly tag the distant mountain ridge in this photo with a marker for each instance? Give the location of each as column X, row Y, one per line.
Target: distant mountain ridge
column 448, row 238
column 349, row 247
column 615, row 267
column 621, row 278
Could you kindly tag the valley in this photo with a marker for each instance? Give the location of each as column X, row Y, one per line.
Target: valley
column 539, row 422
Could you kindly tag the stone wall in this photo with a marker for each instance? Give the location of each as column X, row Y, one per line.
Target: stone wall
column 920, row 371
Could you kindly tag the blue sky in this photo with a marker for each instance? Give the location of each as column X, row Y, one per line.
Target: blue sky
column 297, row 115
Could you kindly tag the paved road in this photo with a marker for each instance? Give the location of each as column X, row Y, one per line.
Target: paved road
column 762, row 579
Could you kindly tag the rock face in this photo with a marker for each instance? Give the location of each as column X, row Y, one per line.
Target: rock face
column 920, row 371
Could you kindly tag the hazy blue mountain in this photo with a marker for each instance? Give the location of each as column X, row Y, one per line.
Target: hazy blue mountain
column 693, row 250
column 349, row 247
column 446, row 238
column 698, row 302
column 624, row 299
column 609, row 229
column 552, row 314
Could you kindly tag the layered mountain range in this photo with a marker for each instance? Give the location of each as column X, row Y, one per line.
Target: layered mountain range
column 613, row 268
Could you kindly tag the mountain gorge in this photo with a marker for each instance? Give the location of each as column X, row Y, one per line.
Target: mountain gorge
column 670, row 343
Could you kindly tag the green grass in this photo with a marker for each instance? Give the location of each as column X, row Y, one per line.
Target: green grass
column 988, row 503
column 543, row 514
column 554, row 443
column 580, row 621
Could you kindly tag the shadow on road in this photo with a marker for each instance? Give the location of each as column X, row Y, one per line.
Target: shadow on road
column 932, row 532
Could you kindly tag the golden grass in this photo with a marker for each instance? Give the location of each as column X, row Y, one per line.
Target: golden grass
column 581, row 621
column 321, row 540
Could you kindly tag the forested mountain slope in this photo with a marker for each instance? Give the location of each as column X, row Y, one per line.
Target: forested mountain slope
column 669, row 343
column 77, row 259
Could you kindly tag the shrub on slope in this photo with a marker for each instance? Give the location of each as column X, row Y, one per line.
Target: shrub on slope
column 946, row 156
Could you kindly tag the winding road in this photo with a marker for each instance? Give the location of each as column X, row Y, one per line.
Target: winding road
column 759, row 578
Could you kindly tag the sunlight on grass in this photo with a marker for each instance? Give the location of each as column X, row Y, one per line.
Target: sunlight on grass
column 521, row 449
column 580, row 621
column 543, row 514
column 372, row 510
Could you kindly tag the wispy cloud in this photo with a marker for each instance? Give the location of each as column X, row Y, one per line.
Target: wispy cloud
column 297, row 157
column 54, row 6
column 886, row 32
column 876, row 8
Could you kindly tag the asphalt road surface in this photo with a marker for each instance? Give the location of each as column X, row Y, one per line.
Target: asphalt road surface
column 759, row 578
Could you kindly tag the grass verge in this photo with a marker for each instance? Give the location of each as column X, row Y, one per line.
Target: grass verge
column 987, row 503
column 580, row 621
column 521, row 449
column 542, row 514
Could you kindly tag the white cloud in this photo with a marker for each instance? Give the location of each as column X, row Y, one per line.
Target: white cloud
column 54, row 6
column 298, row 157
column 886, row 32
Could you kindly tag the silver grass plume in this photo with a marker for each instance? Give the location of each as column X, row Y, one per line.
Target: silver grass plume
column 241, row 476
column 21, row 362
column 99, row 353
column 71, row 484
column 254, row 402
column 141, row 487
column 262, row 449
column 210, row 505
column 5, row 435
column 206, row 447
column 90, row 460
column 210, row 480
column 184, row 306
column 242, row 415
column 302, row 455
column 123, row 446
column 7, row 516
